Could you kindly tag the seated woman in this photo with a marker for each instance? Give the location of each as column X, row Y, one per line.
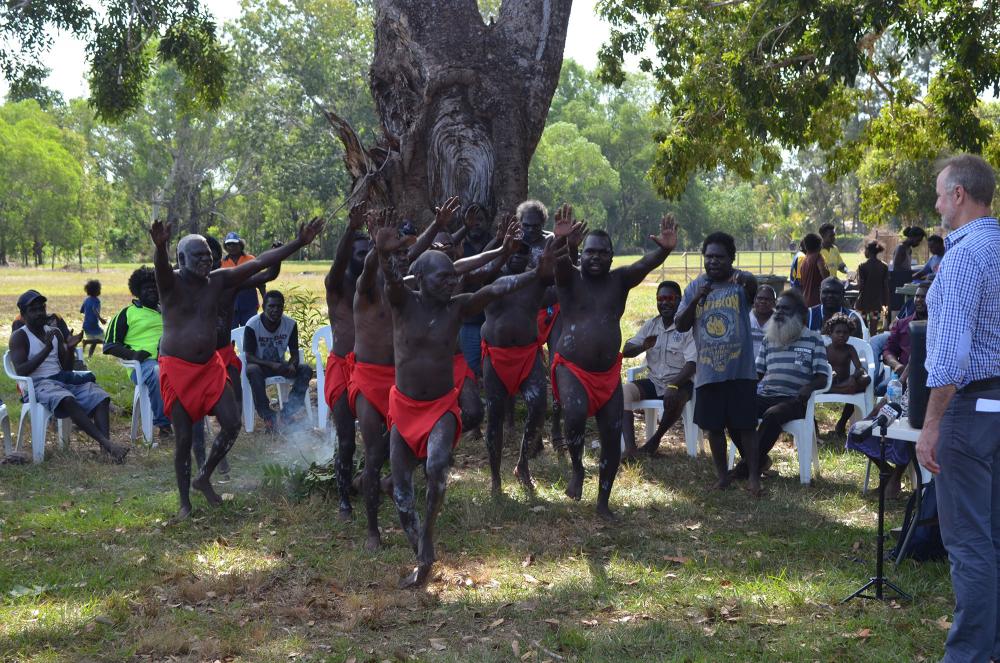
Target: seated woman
column 849, row 375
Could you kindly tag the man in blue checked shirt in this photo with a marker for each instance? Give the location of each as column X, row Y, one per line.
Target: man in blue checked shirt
column 960, row 440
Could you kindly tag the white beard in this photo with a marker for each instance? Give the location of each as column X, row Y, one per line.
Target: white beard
column 785, row 333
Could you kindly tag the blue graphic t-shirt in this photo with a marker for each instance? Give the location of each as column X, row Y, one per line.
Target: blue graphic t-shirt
column 721, row 332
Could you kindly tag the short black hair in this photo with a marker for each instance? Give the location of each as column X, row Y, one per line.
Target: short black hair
column 597, row 232
column 673, row 285
column 92, row 287
column 215, row 247
column 763, row 286
column 139, row 278
column 725, row 239
column 812, row 243
column 875, row 247
column 914, row 232
column 935, row 239
column 840, row 319
column 825, row 228
column 274, row 294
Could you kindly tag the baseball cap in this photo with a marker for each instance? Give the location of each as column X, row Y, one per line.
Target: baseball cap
column 28, row 297
column 232, row 238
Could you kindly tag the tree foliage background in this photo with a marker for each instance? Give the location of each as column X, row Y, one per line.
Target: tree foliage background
column 763, row 119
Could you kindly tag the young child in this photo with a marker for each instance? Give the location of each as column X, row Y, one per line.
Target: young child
column 843, row 357
column 873, row 286
column 92, row 320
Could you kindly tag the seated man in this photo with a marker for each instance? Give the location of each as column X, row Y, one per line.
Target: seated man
column 670, row 357
column 267, row 337
column 42, row 353
column 897, row 348
column 134, row 334
column 831, row 295
column 791, row 365
column 763, row 308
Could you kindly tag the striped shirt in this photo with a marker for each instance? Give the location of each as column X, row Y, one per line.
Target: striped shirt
column 787, row 369
column 963, row 307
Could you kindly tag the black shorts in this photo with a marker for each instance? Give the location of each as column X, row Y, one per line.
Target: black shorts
column 722, row 405
column 647, row 389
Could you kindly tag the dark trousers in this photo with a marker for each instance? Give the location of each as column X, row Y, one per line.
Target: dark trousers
column 256, row 374
column 968, row 501
column 773, row 412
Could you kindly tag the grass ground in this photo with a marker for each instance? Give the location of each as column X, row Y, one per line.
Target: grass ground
column 91, row 571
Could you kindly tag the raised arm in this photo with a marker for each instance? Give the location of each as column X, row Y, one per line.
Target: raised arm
column 387, row 242
column 567, row 231
column 342, row 257
column 511, row 242
column 160, row 235
column 236, row 276
column 442, row 216
column 665, row 241
column 477, row 301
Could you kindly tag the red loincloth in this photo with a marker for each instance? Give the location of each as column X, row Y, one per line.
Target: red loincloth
column 227, row 354
column 512, row 365
column 197, row 386
column 374, row 381
column 545, row 323
column 600, row 387
column 461, row 371
column 415, row 419
column 337, row 376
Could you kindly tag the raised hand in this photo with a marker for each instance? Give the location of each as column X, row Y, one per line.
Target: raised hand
column 383, row 218
column 74, row 339
column 667, row 239
column 577, row 233
column 443, row 214
column 357, row 216
column 160, row 232
column 388, row 239
column 471, row 219
column 512, row 238
column 564, row 221
column 554, row 250
column 309, row 231
column 503, row 224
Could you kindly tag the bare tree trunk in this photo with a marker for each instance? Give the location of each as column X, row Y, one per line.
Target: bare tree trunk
column 462, row 104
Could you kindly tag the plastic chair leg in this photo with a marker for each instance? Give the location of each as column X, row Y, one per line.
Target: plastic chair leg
column 39, row 421
column 5, row 430
column 804, row 447
column 248, row 411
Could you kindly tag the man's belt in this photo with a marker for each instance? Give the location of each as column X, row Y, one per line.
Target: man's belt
column 981, row 385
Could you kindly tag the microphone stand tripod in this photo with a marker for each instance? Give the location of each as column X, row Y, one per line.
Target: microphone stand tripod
column 879, row 581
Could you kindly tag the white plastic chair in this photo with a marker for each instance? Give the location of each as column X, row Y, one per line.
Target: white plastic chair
column 324, row 334
column 284, row 385
column 38, row 413
column 653, row 409
column 803, row 432
column 860, row 320
column 8, row 444
column 865, row 401
column 142, row 408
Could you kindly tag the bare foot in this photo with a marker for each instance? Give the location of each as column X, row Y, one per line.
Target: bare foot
column 604, row 512
column 374, row 542
column 524, row 476
column 416, row 578
column 183, row 514
column 205, row 486
column 754, row 488
column 723, row 483
column 574, row 490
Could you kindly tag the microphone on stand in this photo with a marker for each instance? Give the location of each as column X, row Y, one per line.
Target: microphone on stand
column 887, row 414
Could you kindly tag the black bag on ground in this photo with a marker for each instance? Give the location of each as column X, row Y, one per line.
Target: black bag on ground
column 925, row 544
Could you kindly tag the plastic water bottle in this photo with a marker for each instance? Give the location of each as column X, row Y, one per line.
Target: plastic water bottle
column 894, row 391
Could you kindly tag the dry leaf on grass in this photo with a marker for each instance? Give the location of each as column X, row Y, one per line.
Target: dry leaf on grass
column 675, row 559
column 438, row 645
column 530, row 579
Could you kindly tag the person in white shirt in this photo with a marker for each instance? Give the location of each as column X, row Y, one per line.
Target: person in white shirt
column 763, row 307
column 670, row 356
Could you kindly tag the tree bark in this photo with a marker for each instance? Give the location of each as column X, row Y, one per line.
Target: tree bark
column 462, row 104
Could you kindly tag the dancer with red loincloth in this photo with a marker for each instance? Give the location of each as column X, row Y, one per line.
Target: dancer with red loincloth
column 586, row 364
column 193, row 377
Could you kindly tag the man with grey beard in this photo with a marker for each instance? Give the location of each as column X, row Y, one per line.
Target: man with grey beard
column 791, row 365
